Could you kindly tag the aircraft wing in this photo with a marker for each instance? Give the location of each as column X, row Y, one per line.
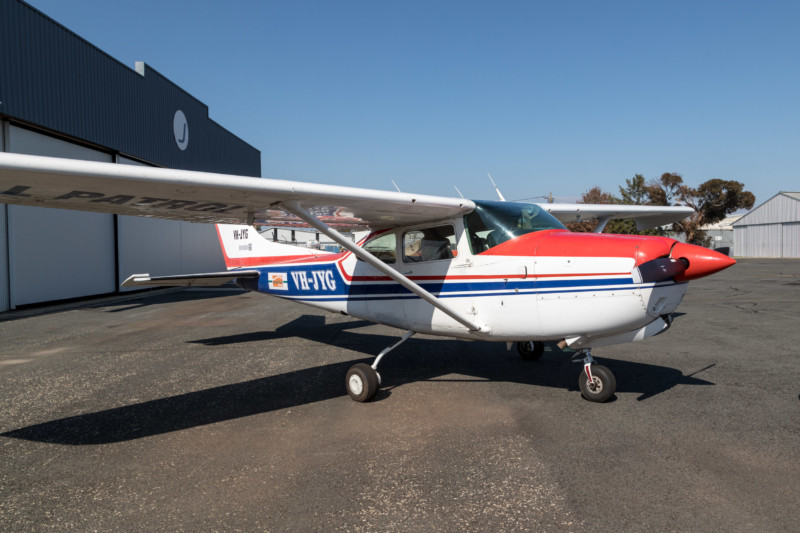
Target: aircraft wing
column 646, row 216
column 206, row 197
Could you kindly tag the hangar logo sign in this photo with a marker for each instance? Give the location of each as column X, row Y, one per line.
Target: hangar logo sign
column 181, row 130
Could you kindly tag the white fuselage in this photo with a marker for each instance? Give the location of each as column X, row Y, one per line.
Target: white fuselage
column 588, row 301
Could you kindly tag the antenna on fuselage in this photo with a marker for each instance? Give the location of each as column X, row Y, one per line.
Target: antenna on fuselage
column 459, row 192
column 396, row 187
column 496, row 188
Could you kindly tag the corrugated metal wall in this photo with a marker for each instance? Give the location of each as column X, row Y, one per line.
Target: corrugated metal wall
column 770, row 230
column 777, row 210
column 51, row 78
column 791, row 240
column 763, row 240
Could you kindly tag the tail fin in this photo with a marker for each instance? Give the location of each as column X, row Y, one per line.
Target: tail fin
column 243, row 246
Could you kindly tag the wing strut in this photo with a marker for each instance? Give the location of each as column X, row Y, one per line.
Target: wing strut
column 601, row 224
column 295, row 208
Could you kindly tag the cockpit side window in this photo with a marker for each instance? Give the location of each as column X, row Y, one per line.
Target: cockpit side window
column 493, row 223
column 429, row 244
column 384, row 247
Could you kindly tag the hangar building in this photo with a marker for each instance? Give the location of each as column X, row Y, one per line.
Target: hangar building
column 61, row 96
column 770, row 230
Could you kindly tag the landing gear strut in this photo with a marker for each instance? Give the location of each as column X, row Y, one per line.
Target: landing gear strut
column 530, row 350
column 597, row 383
column 363, row 380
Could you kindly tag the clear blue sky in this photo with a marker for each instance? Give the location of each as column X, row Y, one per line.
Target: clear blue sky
column 554, row 96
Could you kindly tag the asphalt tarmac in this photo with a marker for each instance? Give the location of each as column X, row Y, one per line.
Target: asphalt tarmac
column 219, row 410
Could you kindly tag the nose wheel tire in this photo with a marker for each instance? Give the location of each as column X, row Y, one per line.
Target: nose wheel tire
column 530, row 350
column 602, row 387
column 362, row 382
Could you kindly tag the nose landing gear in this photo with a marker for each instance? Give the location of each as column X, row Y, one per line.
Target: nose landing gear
column 596, row 382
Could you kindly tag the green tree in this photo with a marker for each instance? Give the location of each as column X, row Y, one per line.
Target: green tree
column 595, row 195
column 712, row 201
column 634, row 192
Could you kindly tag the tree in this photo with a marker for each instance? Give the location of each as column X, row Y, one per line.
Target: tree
column 635, row 191
column 715, row 199
column 712, row 201
column 667, row 190
column 595, row 195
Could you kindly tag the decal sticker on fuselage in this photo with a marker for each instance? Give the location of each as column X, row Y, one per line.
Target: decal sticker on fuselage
column 278, row 281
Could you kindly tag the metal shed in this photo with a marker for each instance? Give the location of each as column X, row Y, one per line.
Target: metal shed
column 770, row 230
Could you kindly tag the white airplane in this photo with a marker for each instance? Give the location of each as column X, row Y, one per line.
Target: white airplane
column 478, row 270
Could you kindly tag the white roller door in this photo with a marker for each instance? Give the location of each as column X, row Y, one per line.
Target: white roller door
column 164, row 247
column 56, row 254
column 791, row 240
column 4, row 282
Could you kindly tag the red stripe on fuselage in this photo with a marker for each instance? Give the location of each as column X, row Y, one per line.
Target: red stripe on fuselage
column 278, row 260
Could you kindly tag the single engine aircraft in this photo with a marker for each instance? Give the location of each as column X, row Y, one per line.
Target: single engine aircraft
column 477, row 270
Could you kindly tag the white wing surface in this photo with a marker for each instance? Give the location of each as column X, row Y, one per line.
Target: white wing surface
column 205, row 197
column 226, row 199
column 645, row 216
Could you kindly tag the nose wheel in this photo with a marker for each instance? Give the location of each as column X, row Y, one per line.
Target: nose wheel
column 596, row 382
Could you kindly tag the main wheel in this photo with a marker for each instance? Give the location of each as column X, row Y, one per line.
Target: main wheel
column 362, row 382
column 603, row 385
column 530, row 350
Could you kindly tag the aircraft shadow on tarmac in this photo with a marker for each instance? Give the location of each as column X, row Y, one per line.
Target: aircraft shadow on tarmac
column 146, row 298
column 121, row 303
column 416, row 360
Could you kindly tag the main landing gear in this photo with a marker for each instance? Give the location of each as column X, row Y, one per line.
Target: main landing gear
column 363, row 380
column 596, row 382
column 530, row 350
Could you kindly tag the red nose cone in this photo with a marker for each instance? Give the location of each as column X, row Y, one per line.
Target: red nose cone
column 702, row 261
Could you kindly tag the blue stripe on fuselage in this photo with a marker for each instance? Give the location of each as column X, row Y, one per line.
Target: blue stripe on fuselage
column 325, row 281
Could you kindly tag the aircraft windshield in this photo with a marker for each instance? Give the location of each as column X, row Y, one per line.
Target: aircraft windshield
column 493, row 223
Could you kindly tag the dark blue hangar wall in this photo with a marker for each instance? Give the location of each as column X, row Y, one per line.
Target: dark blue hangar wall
column 53, row 79
column 60, row 96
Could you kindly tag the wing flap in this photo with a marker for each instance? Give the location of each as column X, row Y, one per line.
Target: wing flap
column 211, row 279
